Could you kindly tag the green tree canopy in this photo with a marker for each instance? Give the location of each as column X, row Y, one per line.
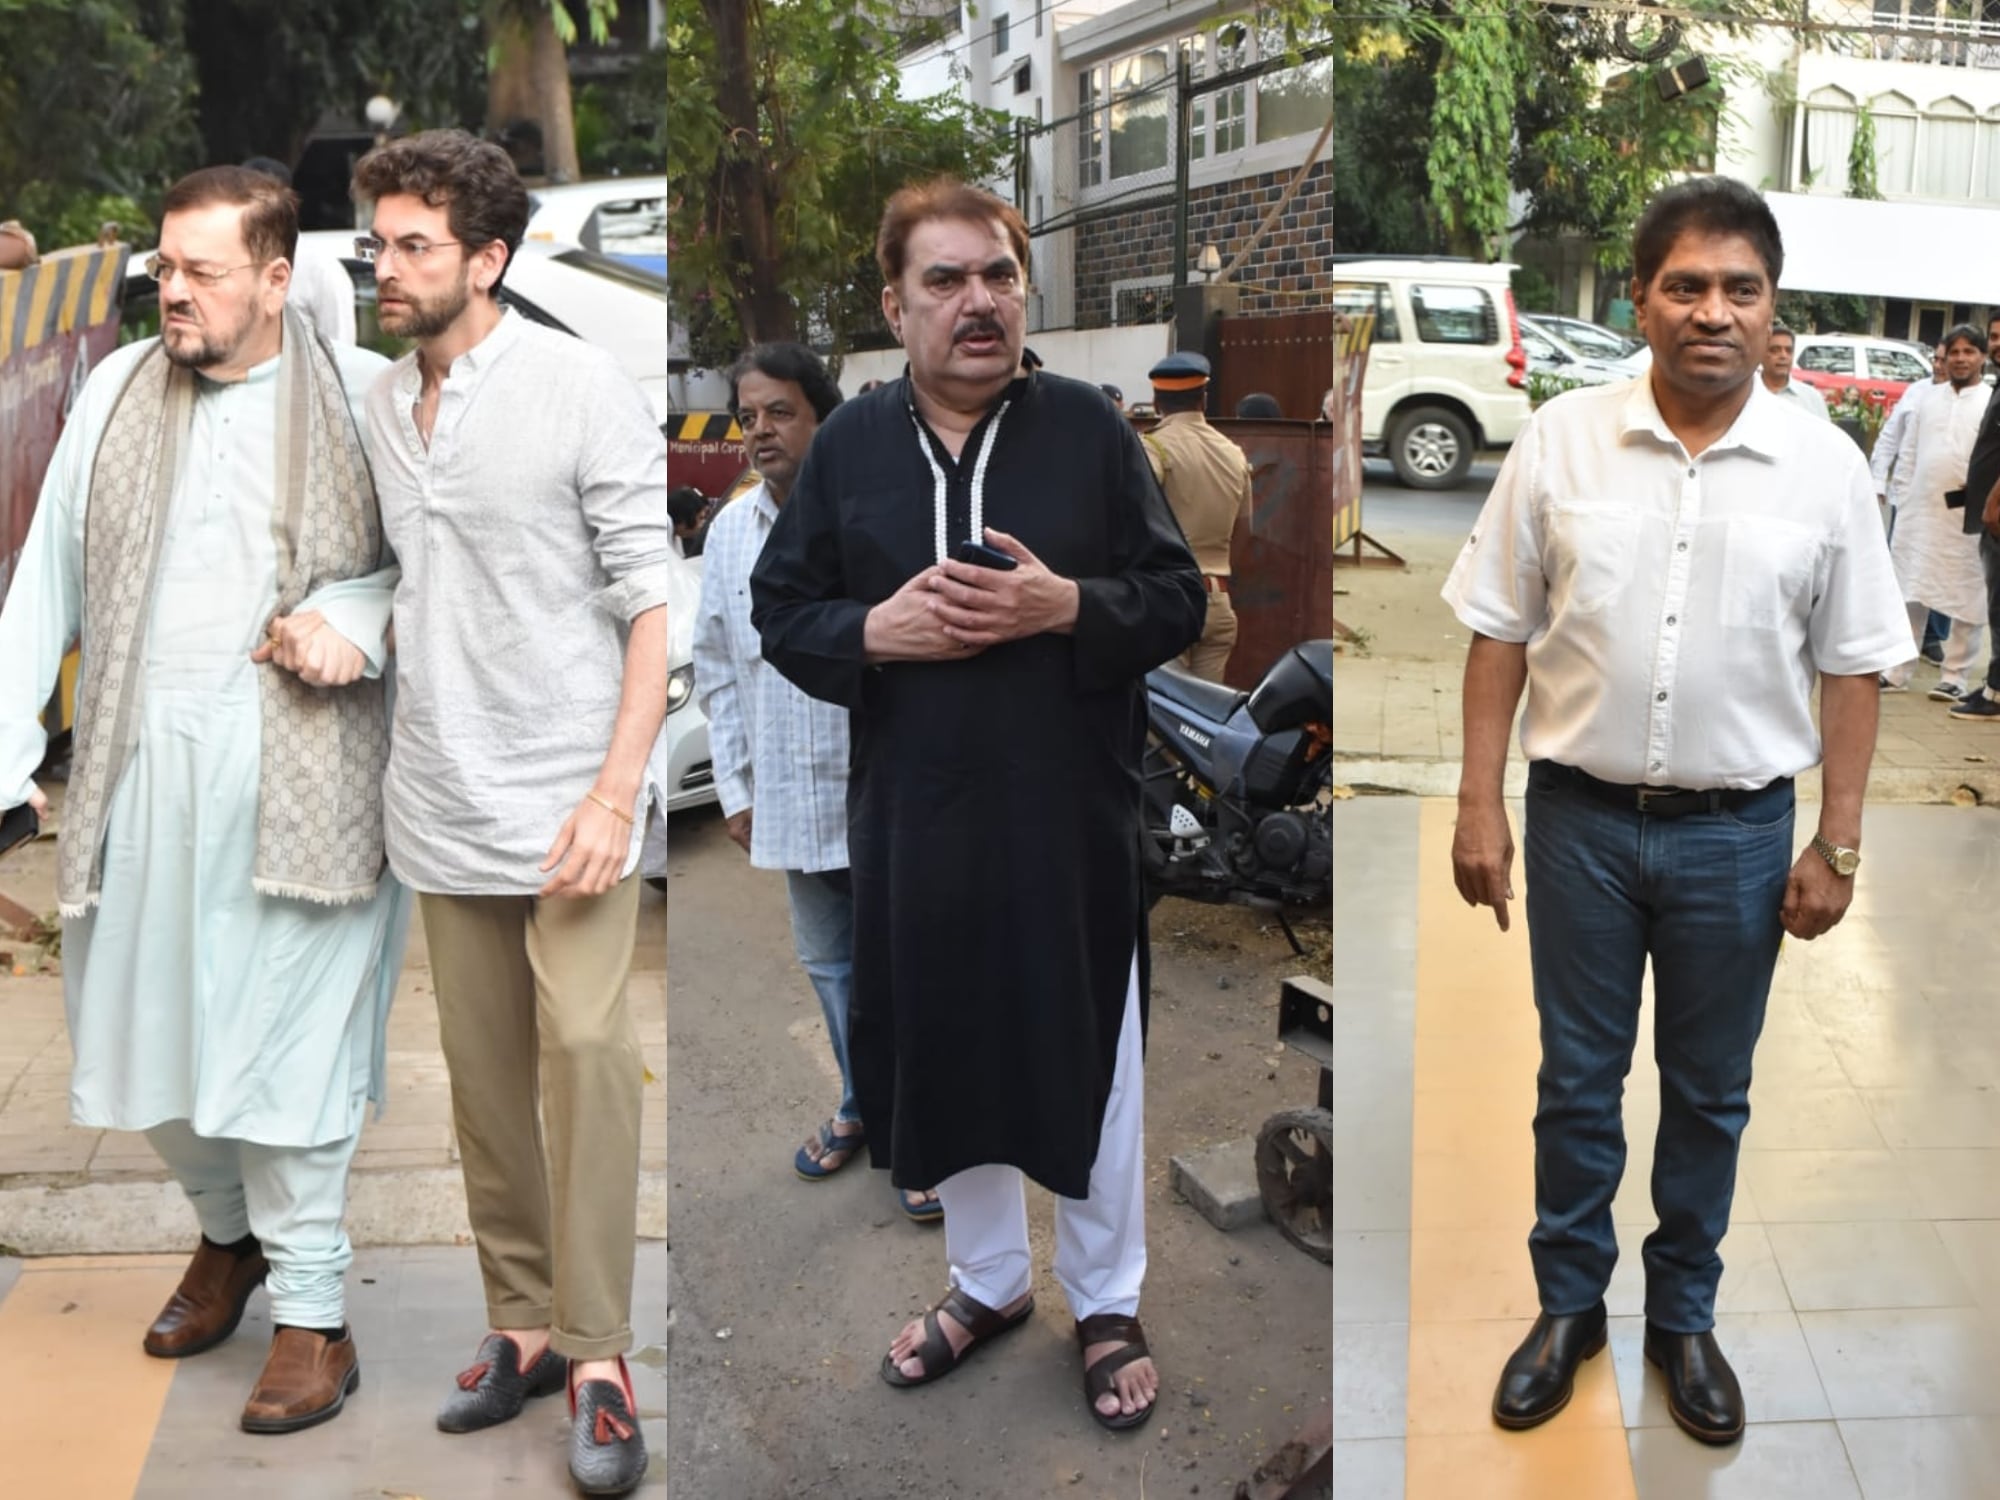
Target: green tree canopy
column 785, row 136
column 96, row 114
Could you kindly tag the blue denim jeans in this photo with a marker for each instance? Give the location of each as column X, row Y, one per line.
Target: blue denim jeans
column 823, row 938
column 1698, row 895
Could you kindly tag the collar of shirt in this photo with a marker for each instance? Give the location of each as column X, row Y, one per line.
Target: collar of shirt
column 469, row 366
column 1756, row 428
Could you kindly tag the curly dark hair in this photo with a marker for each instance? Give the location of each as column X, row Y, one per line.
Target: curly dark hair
column 793, row 362
column 474, row 181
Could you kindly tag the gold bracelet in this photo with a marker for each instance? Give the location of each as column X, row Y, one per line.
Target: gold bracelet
column 614, row 810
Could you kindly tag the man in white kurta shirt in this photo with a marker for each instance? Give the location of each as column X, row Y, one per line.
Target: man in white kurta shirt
column 240, row 1029
column 1889, row 461
column 1669, row 566
column 523, row 484
column 1937, row 563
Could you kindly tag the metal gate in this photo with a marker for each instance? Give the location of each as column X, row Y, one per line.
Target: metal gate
column 1286, row 355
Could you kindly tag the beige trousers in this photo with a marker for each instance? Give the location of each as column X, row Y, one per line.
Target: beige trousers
column 545, row 1084
column 1209, row 657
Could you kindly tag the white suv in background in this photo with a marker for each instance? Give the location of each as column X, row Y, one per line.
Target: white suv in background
column 1446, row 375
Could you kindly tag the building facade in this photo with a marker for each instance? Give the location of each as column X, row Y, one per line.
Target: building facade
column 1094, row 90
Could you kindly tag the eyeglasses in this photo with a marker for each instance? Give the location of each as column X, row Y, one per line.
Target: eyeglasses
column 374, row 250
column 165, row 270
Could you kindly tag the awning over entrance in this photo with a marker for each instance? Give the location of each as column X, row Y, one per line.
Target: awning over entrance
column 1926, row 252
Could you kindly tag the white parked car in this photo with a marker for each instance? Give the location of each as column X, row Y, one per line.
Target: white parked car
column 621, row 216
column 1446, row 374
column 1552, row 354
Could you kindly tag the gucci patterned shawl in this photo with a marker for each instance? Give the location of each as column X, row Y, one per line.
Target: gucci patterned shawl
column 324, row 750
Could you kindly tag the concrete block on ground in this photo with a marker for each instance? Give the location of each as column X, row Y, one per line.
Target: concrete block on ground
column 1221, row 1182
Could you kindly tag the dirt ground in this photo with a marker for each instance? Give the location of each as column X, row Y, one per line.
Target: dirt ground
column 786, row 1293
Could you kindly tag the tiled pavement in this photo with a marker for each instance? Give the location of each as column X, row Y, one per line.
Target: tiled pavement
column 1861, row 1296
column 65, row 1190
column 84, row 1415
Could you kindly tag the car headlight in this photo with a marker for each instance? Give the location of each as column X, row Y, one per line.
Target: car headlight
column 680, row 687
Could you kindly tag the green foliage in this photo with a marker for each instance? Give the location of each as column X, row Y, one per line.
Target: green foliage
column 1533, row 292
column 1531, row 96
column 1826, row 312
column 1542, row 384
column 331, row 57
column 95, row 114
column 1472, row 130
column 621, row 122
column 780, row 155
column 1861, row 157
column 1383, row 89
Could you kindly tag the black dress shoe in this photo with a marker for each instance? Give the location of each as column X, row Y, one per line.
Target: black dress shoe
column 1702, row 1391
column 496, row 1387
column 1540, row 1376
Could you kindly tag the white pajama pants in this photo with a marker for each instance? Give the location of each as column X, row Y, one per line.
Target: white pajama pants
column 1961, row 649
column 1100, row 1255
column 293, row 1198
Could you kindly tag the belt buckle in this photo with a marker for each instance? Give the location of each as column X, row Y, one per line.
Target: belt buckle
column 1651, row 794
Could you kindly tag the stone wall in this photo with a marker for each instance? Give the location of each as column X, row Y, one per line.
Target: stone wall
column 1292, row 258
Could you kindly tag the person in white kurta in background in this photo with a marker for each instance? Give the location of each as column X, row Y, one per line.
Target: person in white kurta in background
column 240, row 1030
column 1890, row 461
column 1937, row 564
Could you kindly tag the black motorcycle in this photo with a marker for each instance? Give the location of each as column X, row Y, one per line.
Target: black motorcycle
column 1238, row 786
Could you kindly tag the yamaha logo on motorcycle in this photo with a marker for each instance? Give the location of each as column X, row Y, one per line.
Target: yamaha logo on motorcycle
column 1188, row 732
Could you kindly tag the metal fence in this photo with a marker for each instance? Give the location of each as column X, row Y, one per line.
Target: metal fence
column 1948, row 33
column 1144, row 123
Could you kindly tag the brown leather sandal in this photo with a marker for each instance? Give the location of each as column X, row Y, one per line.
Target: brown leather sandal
column 1105, row 1328
column 935, row 1353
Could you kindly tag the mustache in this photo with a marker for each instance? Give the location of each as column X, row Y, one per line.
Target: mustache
column 181, row 310
column 973, row 328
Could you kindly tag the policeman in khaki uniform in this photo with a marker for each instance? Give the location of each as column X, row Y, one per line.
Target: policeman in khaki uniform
column 1207, row 480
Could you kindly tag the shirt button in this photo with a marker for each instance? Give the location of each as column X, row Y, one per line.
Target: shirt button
column 1680, row 546
column 1657, row 765
column 1690, row 471
column 1673, row 619
column 1660, row 698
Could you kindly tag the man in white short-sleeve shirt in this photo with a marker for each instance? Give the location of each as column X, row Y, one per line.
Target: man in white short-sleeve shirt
column 1668, row 566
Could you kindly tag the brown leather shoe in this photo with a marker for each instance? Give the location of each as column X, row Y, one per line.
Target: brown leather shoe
column 306, row 1381
column 208, row 1304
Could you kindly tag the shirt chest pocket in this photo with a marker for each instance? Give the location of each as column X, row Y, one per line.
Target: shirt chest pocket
column 1591, row 555
column 1768, row 566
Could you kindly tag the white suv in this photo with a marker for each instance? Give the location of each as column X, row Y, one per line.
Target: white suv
column 1446, row 373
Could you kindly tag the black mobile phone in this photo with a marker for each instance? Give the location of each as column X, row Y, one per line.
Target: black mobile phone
column 18, row 826
column 979, row 555
column 1954, row 499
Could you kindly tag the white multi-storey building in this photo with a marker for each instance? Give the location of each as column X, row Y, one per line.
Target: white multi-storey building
column 1928, row 74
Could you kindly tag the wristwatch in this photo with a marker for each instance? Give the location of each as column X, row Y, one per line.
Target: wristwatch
column 1841, row 861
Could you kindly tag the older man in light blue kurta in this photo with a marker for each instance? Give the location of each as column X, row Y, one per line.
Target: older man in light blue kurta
column 223, row 996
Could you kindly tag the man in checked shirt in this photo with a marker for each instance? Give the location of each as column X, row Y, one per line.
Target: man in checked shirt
column 780, row 756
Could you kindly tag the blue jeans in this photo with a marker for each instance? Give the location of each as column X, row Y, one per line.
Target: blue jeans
column 1609, row 888
column 823, row 938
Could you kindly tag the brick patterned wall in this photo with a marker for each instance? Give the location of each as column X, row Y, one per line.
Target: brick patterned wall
column 1291, row 258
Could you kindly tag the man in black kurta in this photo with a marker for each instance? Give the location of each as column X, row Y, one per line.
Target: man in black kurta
column 998, row 724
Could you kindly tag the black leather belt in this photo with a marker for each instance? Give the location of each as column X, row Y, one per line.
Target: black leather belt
column 1666, row 801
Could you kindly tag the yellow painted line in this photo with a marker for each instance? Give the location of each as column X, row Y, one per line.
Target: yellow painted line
column 79, row 1401
column 39, row 297
column 105, row 285
column 10, row 296
column 79, row 279
column 1472, row 1290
